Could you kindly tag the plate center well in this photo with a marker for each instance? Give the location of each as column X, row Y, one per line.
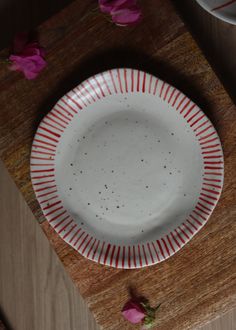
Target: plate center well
column 128, row 177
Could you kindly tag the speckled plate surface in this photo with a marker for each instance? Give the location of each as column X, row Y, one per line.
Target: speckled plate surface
column 126, row 168
column 223, row 9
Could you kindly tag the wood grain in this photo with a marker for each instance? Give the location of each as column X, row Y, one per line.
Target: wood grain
column 226, row 322
column 199, row 282
column 36, row 293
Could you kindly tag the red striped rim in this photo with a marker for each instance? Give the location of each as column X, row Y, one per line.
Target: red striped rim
column 217, row 8
column 50, row 131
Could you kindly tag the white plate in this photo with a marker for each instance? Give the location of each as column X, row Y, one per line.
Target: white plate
column 223, row 9
column 126, row 168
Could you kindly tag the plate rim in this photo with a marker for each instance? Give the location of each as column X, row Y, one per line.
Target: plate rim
column 117, row 256
column 217, row 14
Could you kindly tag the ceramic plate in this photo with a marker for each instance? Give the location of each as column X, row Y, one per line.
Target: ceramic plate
column 126, row 168
column 223, row 9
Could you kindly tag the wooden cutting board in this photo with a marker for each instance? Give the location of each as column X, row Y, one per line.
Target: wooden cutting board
column 197, row 283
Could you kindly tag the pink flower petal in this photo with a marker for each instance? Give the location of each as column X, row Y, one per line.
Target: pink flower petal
column 30, row 59
column 133, row 316
column 107, row 6
column 126, row 16
column 125, row 3
column 30, row 66
column 133, row 312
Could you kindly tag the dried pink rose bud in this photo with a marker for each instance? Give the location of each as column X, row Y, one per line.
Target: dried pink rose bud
column 137, row 311
column 123, row 12
column 133, row 312
column 27, row 57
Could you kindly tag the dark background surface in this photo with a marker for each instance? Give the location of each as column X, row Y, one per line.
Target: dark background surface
column 21, row 15
column 216, row 38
